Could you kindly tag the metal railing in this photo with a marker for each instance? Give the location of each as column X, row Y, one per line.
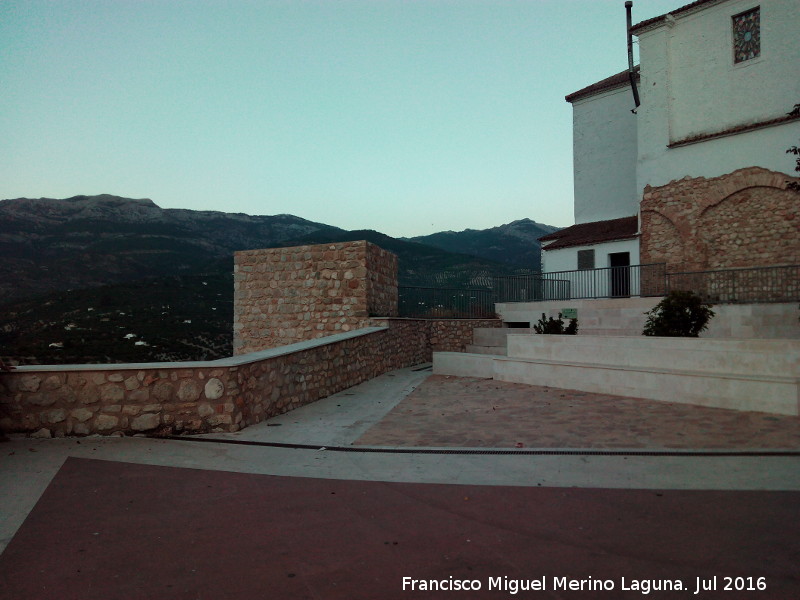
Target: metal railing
column 751, row 285
column 448, row 303
column 732, row 286
column 529, row 288
column 607, row 282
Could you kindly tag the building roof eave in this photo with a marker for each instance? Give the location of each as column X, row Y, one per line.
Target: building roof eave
column 596, row 232
column 617, row 80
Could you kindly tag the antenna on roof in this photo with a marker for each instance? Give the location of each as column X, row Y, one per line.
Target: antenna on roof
column 631, row 72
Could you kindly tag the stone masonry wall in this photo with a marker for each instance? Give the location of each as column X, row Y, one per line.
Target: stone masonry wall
column 286, row 295
column 420, row 338
column 284, row 299
column 216, row 396
column 382, row 295
column 114, row 399
column 744, row 219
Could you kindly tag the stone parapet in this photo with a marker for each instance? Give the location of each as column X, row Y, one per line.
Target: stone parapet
column 216, row 396
column 197, row 397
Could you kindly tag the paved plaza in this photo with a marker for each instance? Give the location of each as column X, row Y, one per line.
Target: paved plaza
column 419, row 476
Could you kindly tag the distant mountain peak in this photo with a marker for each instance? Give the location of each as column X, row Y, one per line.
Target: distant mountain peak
column 515, row 243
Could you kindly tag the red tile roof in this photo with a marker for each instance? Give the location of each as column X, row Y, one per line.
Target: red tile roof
column 592, row 233
column 656, row 20
column 608, row 83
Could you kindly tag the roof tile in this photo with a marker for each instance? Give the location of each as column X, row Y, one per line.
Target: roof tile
column 583, row 234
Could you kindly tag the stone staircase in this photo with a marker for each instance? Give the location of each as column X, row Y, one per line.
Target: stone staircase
column 740, row 374
column 493, row 340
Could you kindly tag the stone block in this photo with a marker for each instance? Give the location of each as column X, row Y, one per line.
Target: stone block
column 89, row 395
column 204, row 409
column 54, row 416
column 145, row 422
column 41, row 399
column 28, row 383
column 214, row 389
column 106, row 422
column 162, row 390
column 188, row 390
column 52, row 382
column 82, row 414
column 112, row 393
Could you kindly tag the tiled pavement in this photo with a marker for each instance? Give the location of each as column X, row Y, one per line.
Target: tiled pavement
column 156, row 518
column 469, row 412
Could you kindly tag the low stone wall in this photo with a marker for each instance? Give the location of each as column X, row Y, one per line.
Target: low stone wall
column 196, row 397
column 216, row 396
column 421, row 337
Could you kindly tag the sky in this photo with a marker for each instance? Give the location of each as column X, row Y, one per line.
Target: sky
column 404, row 116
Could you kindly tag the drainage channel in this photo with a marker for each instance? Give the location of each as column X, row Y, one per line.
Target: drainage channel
column 491, row 451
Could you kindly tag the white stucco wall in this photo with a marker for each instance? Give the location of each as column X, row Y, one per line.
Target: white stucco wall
column 566, row 259
column 604, row 156
column 590, row 282
column 691, row 86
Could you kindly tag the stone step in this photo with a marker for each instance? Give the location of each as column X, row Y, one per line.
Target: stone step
column 749, row 375
column 772, row 394
column 495, row 350
column 721, row 356
column 495, row 336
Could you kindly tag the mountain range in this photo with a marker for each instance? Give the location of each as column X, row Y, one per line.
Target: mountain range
column 94, row 279
column 51, row 245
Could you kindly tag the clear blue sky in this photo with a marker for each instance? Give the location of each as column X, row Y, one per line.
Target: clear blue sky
column 408, row 117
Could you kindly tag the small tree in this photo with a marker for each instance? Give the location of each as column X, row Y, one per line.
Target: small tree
column 556, row 326
column 794, row 185
column 680, row 314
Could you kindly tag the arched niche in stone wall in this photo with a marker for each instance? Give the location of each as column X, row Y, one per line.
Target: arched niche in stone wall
column 661, row 241
column 753, row 227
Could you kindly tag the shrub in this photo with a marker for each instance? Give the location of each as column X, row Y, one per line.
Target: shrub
column 556, row 326
column 680, row 314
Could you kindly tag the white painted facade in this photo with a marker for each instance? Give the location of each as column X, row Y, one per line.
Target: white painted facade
column 599, row 282
column 605, row 182
column 691, row 86
column 566, row 259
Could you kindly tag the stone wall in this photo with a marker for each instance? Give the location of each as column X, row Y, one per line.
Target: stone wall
column 69, row 400
column 744, row 219
column 223, row 395
column 286, row 295
column 421, row 337
column 309, row 321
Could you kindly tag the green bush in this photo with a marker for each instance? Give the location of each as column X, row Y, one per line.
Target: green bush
column 680, row 314
column 556, row 326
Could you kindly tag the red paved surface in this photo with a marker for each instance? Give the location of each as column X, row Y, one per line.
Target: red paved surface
column 471, row 412
column 115, row 530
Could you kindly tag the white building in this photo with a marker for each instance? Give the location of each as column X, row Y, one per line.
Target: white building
column 702, row 162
